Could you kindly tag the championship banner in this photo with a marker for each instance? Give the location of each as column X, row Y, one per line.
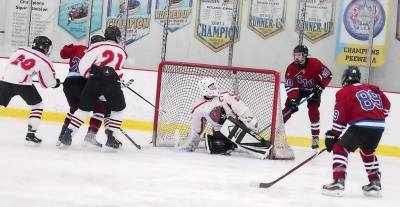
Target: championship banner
column 73, row 17
column 318, row 21
column 266, row 17
column 353, row 33
column 398, row 21
column 21, row 21
column 180, row 13
column 214, row 23
column 138, row 23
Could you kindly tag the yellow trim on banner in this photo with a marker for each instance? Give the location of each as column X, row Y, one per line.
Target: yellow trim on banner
column 386, row 150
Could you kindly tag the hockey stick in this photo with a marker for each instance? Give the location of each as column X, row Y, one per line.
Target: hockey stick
column 286, row 113
column 130, row 81
column 144, row 99
column 130, row 139
column 269, row 184
column 302, row 101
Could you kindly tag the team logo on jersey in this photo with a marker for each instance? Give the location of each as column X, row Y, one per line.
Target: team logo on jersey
column 357, row 17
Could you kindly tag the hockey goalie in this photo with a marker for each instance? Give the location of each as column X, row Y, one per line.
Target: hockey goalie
column 234, row 126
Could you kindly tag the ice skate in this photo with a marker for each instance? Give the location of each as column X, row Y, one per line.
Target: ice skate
column 90, row 141
column 66, row 139
column 335, row 188
column 61, row 134
column 31, row 138
column 315, row 143
column 373, row 189
column 111, row 144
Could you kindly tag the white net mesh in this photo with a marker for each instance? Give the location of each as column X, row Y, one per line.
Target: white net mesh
column 281, row 149
column 177, row 92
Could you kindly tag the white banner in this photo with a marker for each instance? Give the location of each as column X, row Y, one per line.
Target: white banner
column 353, row 34
column 267, row 17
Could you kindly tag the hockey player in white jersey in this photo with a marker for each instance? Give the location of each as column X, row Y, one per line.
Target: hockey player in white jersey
column 101, row 64
column 222, row 109
column 22, row 66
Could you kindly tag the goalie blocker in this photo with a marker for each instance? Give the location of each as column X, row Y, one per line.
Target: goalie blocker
column 234, row 134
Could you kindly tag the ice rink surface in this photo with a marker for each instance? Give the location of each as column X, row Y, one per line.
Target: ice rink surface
column 48, row 177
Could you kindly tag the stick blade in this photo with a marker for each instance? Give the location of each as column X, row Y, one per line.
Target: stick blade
column 266, row 185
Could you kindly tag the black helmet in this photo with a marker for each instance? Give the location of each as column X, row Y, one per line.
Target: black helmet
column 96, row 38
column 351, row 75
column 42, row 44
column 112, row 33
column 301, row 48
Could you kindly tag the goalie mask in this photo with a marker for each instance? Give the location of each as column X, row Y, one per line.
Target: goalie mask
column 351, row 75
column 208, row 87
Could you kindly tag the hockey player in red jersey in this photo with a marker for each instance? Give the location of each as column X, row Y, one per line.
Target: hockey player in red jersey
column 101, row 64
column 22, row 66
column 363, row 107
column 303, row 77
column 73, row 86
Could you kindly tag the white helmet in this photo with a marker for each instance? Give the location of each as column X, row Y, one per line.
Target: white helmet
column 208, row 87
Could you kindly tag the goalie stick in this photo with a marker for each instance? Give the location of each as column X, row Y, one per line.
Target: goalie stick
column 269, row 184
column 130, row 139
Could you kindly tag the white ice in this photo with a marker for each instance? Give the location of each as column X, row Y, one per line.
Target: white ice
column 48, row 177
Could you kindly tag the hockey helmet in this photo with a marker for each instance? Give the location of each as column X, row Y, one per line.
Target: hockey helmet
column 96, row 38
column 112, row 33
column 208, row 87
column 42, row 44
column 301, row 48
column 351, row 75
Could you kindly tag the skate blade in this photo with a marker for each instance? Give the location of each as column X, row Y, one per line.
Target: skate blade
column 106, row 149
column 58, row 143
column 373, row 194
column 32, row 144
column 63, row 146
column 92, row 146
column 333, row 193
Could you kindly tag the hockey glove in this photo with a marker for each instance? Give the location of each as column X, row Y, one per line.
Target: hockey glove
column 318, row 90
column 58, row 83
column 292, row 104
column 331, row 138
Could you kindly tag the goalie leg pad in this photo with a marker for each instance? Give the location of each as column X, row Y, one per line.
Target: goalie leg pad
column 218, row 144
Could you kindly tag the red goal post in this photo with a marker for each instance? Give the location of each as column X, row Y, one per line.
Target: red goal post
column 177, row 91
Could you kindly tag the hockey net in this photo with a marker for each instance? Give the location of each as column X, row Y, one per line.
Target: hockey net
column 177, row 91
